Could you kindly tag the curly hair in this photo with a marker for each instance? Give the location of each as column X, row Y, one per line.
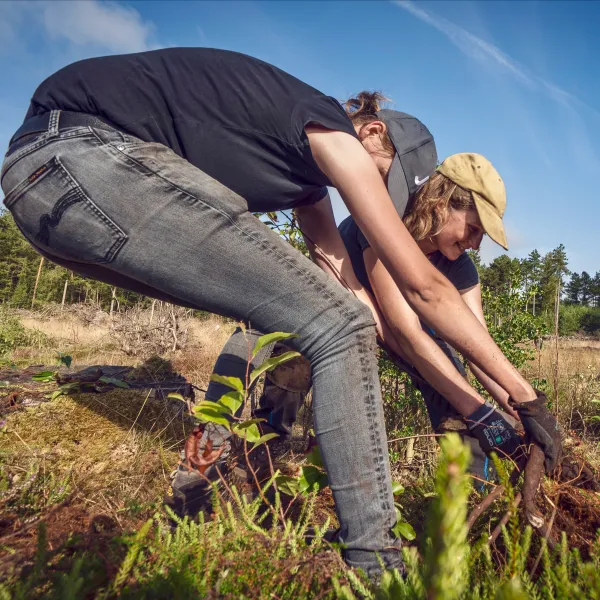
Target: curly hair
column 430, row 209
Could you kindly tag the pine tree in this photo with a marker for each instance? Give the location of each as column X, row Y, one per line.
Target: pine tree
column 586, row 288
column 573, row 289
column 534, row 269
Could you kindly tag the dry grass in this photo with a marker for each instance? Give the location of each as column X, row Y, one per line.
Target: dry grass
column 96, row 343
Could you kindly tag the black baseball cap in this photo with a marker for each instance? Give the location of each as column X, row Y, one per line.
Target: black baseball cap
column 415, row 159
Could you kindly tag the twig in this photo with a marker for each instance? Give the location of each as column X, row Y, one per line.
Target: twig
column 483, row 505
column 264, row 499
column 411, row 437
column 504, row 519
column 24, row 442
column 546, row 538
column 139, row 413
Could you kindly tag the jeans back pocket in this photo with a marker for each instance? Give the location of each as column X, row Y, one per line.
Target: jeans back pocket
column 55, row 214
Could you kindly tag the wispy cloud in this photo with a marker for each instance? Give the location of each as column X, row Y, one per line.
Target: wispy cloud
column 82, row 23
column 486, row 52
column 118, row 28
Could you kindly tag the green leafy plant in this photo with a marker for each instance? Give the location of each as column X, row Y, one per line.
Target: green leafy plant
column 224, row 412
column 402, row 528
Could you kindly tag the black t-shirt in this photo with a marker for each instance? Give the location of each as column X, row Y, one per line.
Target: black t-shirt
column 461, row 272
column 237, row 118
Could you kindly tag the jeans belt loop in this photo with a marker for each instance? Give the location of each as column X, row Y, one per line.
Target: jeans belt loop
column 53, row 123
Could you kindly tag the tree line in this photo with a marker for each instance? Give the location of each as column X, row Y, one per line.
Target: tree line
column 550, row 290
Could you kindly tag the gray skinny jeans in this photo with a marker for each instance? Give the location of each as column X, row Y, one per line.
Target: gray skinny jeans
column 136, row 215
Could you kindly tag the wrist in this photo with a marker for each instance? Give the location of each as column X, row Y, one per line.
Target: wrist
column 480, row 415
column 523, row 393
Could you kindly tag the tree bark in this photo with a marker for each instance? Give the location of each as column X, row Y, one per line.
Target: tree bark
column 62, row 304
column 37, row 280
column 112, row 300
column 556, row 314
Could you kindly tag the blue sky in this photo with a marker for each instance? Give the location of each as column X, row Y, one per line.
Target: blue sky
column 515, row 81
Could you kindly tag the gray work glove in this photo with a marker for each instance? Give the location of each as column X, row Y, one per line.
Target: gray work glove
column 493, row 432
column 541, row 428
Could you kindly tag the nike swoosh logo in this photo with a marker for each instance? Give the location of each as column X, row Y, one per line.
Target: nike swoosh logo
column 421, row 181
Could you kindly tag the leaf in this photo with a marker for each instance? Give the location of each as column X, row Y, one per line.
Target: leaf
column 265, row 438
column 232, row 400
column 271, row 363
column 397, row 488
column 112, row 381
column 211, row 416
column 65, row 359
column 176, row 396
column 43, row 376
column 314, row 457
column 287, row 485
column 216, row 406
column 398, row 513
column 404, row 529
column 249, row 422
column 231, row 382
column 269, row 338
column 312, row 480
column 247, row 430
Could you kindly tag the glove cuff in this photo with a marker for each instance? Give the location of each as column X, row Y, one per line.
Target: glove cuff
column 540, row 398
column 480, row 415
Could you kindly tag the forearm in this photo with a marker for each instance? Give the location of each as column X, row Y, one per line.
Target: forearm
column 421, row 351
column 497, row 392
column 328, row 252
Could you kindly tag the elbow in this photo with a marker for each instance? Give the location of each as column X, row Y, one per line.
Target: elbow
column 427, row 293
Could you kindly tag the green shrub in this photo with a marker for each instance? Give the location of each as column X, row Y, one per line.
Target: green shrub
column 570, row 318
column 590, row 321
column 13, row 335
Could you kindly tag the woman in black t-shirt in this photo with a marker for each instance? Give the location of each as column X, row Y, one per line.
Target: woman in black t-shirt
column 143, row 170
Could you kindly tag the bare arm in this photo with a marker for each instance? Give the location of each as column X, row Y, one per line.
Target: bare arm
column 348, row 166
column 472, row 298
column 419, row 348
column 328, row 251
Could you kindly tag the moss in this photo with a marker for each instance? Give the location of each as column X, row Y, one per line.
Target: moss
column 118, row 445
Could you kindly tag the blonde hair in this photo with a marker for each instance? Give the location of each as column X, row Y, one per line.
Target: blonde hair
column 363, row 108
column 430, row 210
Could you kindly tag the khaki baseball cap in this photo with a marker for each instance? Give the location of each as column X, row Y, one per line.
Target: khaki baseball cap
column 475, row 173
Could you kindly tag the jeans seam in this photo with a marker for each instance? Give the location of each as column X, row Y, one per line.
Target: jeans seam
column 44, row 140
column 261, row 243
column 371, row 416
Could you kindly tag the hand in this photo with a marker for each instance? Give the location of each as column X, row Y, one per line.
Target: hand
column 493, row 432
column 541, row 428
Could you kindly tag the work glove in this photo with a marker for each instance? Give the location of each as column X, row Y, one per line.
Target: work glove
column 493, row 432
column 541, row 428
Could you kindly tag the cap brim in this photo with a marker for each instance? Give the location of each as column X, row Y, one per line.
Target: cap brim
column 397, row 186
column 490, row 221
